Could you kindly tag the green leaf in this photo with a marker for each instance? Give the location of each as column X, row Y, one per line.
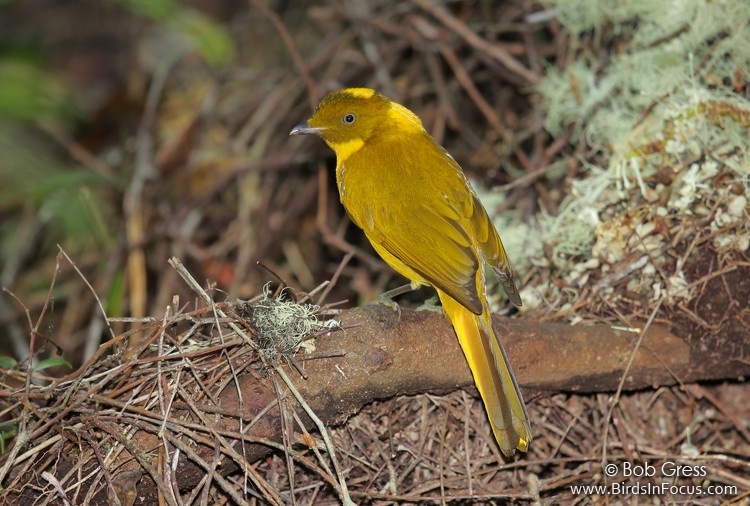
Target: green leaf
column 117, row 294
column 207, row 36
column 7, row 362
column 28, row 92
column 52, row 362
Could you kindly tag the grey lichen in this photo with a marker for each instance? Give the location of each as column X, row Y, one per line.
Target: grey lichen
column 280, row 325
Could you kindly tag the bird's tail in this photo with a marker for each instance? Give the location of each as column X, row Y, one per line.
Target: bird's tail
column 492, row 375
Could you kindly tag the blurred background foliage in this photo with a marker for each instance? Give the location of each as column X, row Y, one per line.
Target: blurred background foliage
column 67, row 98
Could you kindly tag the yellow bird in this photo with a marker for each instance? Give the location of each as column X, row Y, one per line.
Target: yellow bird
column 416, row 207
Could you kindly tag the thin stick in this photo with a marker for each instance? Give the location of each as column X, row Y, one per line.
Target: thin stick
column 342, row 489
column 618, row 393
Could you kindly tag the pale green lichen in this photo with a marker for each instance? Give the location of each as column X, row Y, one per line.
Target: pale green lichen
column 280, row 326
column 667, row 114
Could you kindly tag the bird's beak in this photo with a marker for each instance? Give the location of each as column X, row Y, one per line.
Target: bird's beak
column 303, row 129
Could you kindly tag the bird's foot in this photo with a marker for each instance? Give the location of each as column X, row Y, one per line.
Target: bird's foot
column 386, row 298
column 431, row 304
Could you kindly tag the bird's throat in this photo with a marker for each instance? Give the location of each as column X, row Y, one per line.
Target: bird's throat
column 347, row 148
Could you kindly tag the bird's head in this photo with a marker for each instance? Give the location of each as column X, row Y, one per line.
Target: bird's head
column 346, row 119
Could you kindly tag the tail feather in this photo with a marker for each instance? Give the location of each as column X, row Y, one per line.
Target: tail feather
column 492, row 375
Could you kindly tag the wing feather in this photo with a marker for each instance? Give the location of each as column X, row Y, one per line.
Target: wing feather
column 440, row 250
column 493, row 251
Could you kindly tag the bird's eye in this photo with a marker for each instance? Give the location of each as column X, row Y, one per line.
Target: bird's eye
column 349, row 118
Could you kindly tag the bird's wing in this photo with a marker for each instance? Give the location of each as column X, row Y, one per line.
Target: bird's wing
column 423, row 212
column 432, row 239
